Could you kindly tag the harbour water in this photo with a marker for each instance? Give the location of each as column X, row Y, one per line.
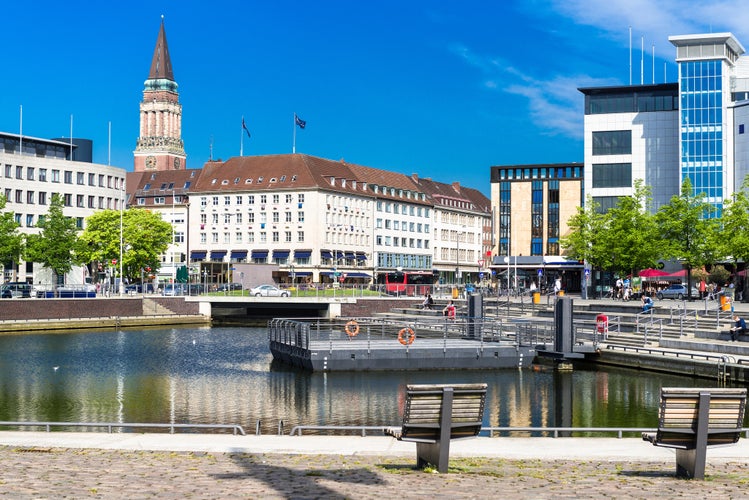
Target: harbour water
column 225, row 375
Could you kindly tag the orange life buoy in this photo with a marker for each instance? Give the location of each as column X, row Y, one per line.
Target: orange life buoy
column 406, row 332
column 352, row 328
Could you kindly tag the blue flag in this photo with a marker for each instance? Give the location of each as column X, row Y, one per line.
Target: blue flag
column 246, row 129
column 299, row 121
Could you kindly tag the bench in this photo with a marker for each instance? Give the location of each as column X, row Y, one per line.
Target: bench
column 436, row 414
column 692, row 419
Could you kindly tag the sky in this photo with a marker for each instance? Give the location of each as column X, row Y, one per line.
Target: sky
column 439, row 88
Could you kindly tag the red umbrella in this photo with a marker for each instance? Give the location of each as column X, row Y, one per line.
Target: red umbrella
column 679, row 274
column 652, row 273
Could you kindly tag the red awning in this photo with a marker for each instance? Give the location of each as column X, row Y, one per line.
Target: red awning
column 652, row 273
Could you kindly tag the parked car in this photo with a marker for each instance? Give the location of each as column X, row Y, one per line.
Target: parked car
column 676, row 291
column 268, row 291
column 227, row 287
column 16, row 289
column 171, row 289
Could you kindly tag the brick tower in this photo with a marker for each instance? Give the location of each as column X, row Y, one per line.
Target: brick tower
column 160, row 144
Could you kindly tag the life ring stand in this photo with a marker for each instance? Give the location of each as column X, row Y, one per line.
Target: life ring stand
column 406, row 336
column 352, row 328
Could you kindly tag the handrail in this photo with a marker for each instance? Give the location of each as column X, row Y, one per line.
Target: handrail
column 491, row 430
column 236, row 428
column 663, row 352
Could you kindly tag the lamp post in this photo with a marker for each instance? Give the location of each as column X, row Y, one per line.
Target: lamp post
column 122, row 238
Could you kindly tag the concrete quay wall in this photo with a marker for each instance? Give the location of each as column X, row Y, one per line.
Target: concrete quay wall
column 732, row 372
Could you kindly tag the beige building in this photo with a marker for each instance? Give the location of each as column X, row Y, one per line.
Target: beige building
column 531, row 205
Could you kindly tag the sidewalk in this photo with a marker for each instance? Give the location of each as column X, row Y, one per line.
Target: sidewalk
column 85, row 465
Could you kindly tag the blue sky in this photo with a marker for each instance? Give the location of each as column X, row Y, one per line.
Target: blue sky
column 444, row 89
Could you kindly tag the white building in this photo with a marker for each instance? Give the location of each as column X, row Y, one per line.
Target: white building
column 34, row 169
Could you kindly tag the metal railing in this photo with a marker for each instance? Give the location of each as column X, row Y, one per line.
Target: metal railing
column 109, row 426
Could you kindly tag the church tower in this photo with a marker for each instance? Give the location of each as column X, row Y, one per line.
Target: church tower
column 160, row 144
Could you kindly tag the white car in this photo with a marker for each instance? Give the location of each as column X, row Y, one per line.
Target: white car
column 268, row 291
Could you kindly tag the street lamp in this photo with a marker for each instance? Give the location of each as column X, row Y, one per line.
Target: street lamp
column 174, row 264
column 122, row 240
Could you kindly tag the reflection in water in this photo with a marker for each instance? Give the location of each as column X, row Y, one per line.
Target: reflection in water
column 226, row 375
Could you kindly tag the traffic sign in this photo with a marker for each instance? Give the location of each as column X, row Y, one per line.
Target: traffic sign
column 540, row 272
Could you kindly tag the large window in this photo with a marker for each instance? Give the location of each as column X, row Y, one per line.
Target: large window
column 607, row 175
column 612, row 142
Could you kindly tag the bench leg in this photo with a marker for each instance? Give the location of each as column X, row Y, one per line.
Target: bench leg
column 691, row 463
column 437, row 454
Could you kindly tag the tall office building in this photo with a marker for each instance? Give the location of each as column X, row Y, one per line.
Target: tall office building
column 712, row 79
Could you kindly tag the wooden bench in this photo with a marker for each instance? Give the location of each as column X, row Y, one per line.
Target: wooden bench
column 691, row 419
column 436, row 414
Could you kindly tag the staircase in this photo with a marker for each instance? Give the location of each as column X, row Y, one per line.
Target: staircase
column 153, row 308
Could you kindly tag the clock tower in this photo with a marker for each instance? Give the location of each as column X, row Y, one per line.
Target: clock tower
column 160, row 144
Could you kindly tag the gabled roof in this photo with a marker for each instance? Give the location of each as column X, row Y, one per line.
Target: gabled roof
column 161, row 64
column 461, row 195
column 150, row 184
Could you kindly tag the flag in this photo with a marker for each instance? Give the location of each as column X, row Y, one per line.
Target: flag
column 299, row 121
column 246, row 129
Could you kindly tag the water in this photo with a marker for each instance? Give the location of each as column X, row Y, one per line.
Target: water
column 226, row 375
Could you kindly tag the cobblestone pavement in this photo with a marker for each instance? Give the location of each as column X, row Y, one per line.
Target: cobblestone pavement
column 91, row 473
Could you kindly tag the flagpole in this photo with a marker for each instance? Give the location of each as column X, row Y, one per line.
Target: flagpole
column 293, row 125
column 71, row 136
column 20, row 133
column 109, row 144
column 241, row 138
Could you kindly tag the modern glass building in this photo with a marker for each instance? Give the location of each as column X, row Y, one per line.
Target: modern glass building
column 709, row 70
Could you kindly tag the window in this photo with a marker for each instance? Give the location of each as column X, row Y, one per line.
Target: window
column 79, row 201
column 606, row 175
column 300, row 198
column 227, row 200
column 42, row 198
column 92, row 179
column 68, row 177
column 55, row 176
column 239, row 218
column 275, row 198
column 614, row 142
column 288, row 198
column 30, row 197
column 159, row 200
column 300, row 216
column 300, row 236
column 19, row 172
column 42, row 175
column 227, row 218
column 30, row 173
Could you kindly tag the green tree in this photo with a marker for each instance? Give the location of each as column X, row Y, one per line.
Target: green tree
column 734, row 234
column 630, row 235
column 584, row 239
column 145, row 236
column 11, row 240
column 688, row 231
column 53, row 246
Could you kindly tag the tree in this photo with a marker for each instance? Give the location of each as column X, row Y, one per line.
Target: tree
column 630, row 232
column 11, row 240
column 687, row 230
column 145, row 236
column 583, row 241
column 734, row 234
column 53, row 246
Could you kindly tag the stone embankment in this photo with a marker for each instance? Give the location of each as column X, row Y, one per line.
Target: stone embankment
column 49, row 315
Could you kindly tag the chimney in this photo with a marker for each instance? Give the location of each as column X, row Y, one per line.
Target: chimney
column 456, row 186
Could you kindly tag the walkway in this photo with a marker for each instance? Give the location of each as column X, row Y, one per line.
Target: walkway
column 84, row 465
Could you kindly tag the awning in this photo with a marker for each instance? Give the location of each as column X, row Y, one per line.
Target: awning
column 339, row 254
column 281, row 254
column 326, row 254
column 239, row 254
column 198, row 254
column 350, row 255
column 357, row 275
column 302, row 254
column 301, row 273
column 260, row 254
column 360, row 256
column 218, row 254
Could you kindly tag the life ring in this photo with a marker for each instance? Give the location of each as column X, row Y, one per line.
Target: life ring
column 352, row 328
column 406, row 332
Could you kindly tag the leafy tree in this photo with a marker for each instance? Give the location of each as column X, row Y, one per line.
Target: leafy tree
column 687, row 230
column 630, row 235
column 734, row 235
column 145, row 236
column 52, row 247
column 585, row 237
column 11, row 240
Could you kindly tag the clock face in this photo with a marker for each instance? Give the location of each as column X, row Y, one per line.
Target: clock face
column 150, row 162
column 177, row 163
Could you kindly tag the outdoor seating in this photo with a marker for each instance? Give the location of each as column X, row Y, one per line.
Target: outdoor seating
column 436, row 414
column 693, row 419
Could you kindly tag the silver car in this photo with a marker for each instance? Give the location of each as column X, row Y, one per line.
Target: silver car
column 677, row 291
column 268, row 291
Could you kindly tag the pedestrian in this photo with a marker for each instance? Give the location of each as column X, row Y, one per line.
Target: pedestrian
column 738, row 328
column 647, row 303
column 430, row 301
column 557, row 285
column 449, row 310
